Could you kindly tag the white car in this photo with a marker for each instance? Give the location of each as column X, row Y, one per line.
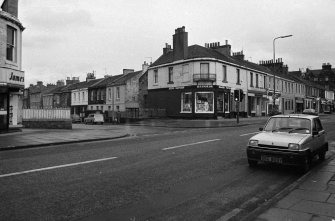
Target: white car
column 289, row 140
column 94, row 119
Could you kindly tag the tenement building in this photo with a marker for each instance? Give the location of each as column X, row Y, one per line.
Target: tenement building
column 11, row 74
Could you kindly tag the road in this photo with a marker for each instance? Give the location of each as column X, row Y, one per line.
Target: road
column 184, row 174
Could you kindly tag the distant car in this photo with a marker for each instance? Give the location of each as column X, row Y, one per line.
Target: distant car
column 292, row 140
column 75, row 118
column 94, row 119
column 310, row 112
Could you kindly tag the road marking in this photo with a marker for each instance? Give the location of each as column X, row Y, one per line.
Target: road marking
column 190, row 144
column 56, row 167
column 248, row 134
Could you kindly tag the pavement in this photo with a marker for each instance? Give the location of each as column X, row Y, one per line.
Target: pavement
column 311, row 198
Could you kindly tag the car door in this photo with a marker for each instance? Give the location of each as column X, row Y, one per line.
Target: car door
column 319, row 137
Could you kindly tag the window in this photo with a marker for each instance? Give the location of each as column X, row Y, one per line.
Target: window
column 118, row 93
column 185, row 73
column 98, row 94
column 264, row 82
column 155, row 76
column 74, row 97
column 170, row 75
column 224, row 72
column 83, row 95
column 109, row 108
column 102, row 108
column 11, row 44
column 110, row 93
column 204, row 102
column 256, row 80
column 204, row 68
column 251, row 79
column 186, row 102
column 91, row 107
column 97, row 107
column 238, row 80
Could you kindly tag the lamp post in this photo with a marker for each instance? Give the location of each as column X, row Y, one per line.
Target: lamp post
column 274, row 72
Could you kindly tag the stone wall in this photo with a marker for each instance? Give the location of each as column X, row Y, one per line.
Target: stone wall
column 48, row 124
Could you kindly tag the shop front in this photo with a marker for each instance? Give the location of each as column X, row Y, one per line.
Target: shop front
column 11, row 86
column 299, row 105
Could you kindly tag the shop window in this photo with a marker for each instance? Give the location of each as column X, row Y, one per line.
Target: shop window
column 204, row 102
column 11, row 44
column 186, row 102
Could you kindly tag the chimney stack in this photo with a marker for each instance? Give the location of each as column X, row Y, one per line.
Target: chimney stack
column 11, row 7
column 145, row 66
column 127, row 71
column 180, row 44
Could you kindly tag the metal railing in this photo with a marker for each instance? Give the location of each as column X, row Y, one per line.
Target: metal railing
column 204, row 77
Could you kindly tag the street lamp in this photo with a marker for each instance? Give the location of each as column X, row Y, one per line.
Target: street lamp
column 274, row 72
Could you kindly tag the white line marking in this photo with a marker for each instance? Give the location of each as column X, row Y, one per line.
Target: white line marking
column 56, row 167
column 248, row 134
column 190, row 144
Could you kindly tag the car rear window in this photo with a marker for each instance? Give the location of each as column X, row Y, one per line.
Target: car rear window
column 98, row 117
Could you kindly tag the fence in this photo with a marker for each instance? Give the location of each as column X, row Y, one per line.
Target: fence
column 46, row 114
column 47, row 118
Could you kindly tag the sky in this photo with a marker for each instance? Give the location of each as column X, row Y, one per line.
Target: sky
column 69, row 38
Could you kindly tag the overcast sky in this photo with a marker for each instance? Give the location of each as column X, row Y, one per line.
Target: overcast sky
column 69, row 38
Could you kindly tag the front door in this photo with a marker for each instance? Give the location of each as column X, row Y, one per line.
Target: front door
column 3, row 111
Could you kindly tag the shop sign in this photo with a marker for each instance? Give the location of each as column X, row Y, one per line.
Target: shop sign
column 176, row 88
column 204, row 86
column 10, row 76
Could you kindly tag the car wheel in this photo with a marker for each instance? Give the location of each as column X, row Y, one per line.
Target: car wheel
column 322, row 155
column 252, row 163
column 306, row 166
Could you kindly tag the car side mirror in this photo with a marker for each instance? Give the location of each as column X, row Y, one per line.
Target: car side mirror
column 315, row 133
column 260, row 129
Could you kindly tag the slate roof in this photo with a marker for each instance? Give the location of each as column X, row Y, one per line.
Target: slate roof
column 83, row 84
column 106, row 81
column 122, row 80
column 197, row 51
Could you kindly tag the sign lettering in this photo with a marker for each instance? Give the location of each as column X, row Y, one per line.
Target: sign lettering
column 16, row 78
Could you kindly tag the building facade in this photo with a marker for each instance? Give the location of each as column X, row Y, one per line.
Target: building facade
column 11, row 74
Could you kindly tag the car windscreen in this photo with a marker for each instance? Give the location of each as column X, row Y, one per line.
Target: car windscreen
column 288, row 124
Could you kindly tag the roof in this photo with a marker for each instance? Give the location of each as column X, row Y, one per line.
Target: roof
column 122, row 80
column 106, row 81
column 305, row 116
column 84, row 84
column 197, row 51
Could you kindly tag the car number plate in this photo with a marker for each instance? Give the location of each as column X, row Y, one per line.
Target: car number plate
column 271, row 159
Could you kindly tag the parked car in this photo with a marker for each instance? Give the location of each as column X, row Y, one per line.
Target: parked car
column 94, row 119
column 310, row 112
column 75, row 118
column 292, row 140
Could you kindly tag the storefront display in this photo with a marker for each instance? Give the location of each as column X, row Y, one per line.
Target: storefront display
column 186, row 102
column 204, row 102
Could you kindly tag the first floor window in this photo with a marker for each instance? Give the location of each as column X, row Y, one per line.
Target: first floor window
column 186, row 102
column 155, row 76
column 117, row 93
column 11, row 44
column 204, row 102
column 170, row 75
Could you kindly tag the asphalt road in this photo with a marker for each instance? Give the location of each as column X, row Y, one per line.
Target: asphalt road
column 184, row 174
